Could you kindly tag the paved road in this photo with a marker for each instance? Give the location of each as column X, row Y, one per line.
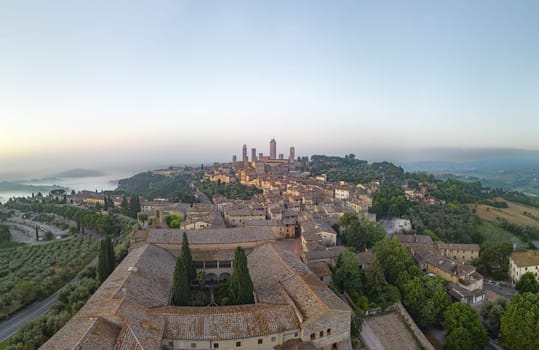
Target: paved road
column 30, row 313
column 504, row 291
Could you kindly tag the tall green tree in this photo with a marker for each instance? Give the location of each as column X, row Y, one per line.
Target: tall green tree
column 527, row 283
column 188, row 258
column 393, row 258
column 359, row 234
column 173, row 220
column 240, row 284
column 426, row 300
column 464, row 330
column 492, row 312
column 105, row 262
column 124, row 206
column 347, row 275
column 494, row 259
column 374, row 278
column 5, row 235
column 181, row 294
column 134, row 206
column 520, row 323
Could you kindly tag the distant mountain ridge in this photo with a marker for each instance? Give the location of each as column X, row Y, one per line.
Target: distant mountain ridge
column 14, row 186
column 78, row 172
column 518, row 173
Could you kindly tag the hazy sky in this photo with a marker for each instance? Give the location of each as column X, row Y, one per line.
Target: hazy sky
column 102, row 82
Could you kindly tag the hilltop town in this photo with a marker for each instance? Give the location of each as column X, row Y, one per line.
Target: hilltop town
column 315, row 245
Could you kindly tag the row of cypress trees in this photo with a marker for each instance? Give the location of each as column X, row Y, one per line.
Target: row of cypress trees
column 240, row 285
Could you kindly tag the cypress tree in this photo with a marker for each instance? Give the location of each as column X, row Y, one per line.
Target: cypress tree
column 124, row 206
column 37, row 234
column 180, row 284
column 110, row 252
column 188, row 258
column 105, row 262
column 134, row 206
column 241, row 285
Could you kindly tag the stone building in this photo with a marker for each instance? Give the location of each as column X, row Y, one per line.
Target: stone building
column 131, row 309
column 459, row 251
column 522, row 262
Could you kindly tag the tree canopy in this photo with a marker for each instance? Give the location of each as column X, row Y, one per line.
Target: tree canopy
column 393, row 258
column 426, row 300
column 492, row 312
column 520, row 323
column 389, row 201
column 527, row 283
column 359, row 234
column 494, row 259
column 173, row 220
column 348, row 276
column 464, row 330
column 5, row 235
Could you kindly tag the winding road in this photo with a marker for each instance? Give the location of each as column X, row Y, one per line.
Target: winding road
column 30, row 313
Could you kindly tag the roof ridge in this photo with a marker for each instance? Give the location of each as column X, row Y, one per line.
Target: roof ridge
column 305, row 282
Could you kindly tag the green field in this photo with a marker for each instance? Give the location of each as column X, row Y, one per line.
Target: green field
column 31, row 273
column 492, row 233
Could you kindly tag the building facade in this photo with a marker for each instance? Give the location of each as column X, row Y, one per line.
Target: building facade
column 522, row 262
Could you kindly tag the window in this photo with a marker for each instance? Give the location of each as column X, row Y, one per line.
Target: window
column 273, row 339
column 321, row 334
column 260, row 341
column 313, row 336
column 193, row 345
column 328, row 331
column 216, row 345
column 296, row 335
column 238, row 344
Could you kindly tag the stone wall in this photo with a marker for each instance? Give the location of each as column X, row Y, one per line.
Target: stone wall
column 425, row 343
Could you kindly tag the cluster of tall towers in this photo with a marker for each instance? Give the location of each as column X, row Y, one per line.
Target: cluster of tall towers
column 272, row 158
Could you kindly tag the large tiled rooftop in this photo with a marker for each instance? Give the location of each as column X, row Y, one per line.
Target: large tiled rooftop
column 213, row 236
column 273, row 269
column 226, row 322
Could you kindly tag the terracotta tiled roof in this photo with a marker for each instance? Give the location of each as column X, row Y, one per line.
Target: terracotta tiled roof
column 212, row 236
column 458, row 246
column 403, row 238
column 526, row 258
column 226, row 322
column 326, row 253
column 274, row 269
column 90, row 333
